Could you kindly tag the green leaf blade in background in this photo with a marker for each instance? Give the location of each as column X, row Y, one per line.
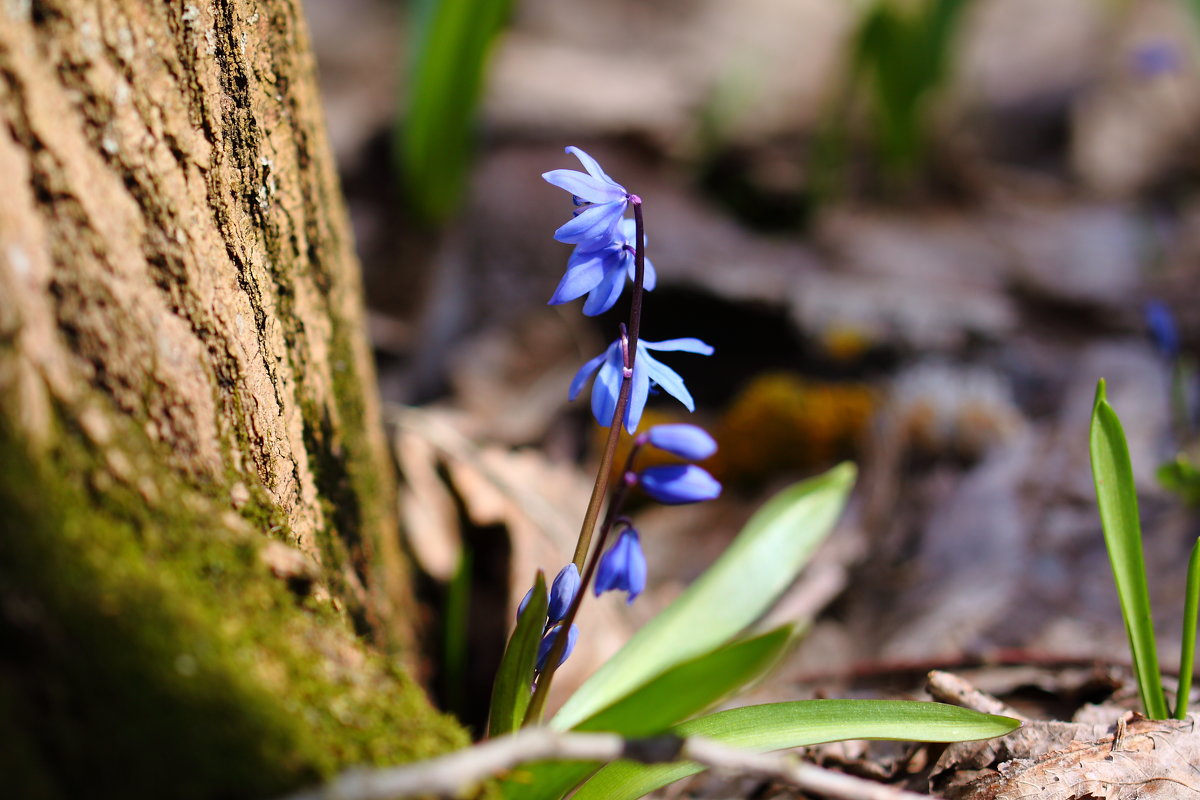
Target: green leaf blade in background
column 433, row 141
column 510, row 692
column 804, row 722
column 1187, row 648
column 735, row 591
column 1116, row 499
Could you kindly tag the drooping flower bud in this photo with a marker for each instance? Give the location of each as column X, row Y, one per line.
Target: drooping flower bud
column 683, row 440
column 548, row 642
column 563, row 591
column 676, row 484
column 1161, row 324
column 623, row 567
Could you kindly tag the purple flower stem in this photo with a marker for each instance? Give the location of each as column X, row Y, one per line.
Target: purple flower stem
column 600, row 488
column 537, row 703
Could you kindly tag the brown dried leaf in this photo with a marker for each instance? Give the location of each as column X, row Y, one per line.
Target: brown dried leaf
column 1135, row 758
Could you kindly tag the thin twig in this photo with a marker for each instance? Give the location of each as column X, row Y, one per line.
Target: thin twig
column 956, row 690
column 453, row 774
column 787, row 769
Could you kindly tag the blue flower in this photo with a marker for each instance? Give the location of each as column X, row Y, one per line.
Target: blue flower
column 1156, row 58
column 623, row 567
column 562, row 593
column 1161, row 324
column 548, row 642
column 679, row 483
column 685, row 441
column 602, row 202
column 647, row 370
column 601, row 273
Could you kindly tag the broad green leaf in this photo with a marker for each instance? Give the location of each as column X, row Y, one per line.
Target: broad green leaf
column 742, row 584
column 690, row 687
column 1187, row 651
column 1116, row 499
column 675, row 695
column 510, row 692
column 452, row 41
column 545, row 780
column 804, row 722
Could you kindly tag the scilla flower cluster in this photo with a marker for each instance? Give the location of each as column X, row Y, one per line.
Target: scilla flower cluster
column 610, row 252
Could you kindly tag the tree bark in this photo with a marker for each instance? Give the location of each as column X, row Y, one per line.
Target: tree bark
column 197, row 527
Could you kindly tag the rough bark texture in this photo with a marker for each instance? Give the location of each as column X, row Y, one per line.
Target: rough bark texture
column 196, row 507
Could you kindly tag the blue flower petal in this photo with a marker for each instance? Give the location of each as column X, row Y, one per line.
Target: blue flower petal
column 583, row 274
column 592, row 166
column 548, row 642
column 524, row 602
column 592, row 224
column 640, row 391
column 585, row 187
column 685, row 441
column 604, row 295
column 623, row 567
column 679, row 483
column 608, row 385
column 585, row 372
column 668, row 379
column 688, row 345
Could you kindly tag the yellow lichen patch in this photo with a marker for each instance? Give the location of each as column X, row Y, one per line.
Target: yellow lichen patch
column 782, row 423
column 846, row 343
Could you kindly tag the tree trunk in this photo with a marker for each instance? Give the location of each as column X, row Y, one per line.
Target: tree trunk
column 196, row 506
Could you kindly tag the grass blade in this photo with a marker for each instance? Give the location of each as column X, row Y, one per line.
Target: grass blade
column 804, row 722
column 1187, row 651
column 510, row 692
column 742, row 584
column 1116, row 499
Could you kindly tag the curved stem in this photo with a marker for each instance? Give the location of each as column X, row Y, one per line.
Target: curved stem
column 600, row 489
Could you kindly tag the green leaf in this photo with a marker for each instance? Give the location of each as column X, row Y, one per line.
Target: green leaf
column 742, row 584
column 1116, row 499
column 510, row 692
column 673, row 696
column 1187, row 650
column 804, row 722
column 453, row 38
column 545, row 780
column 1181, row 477
column 690, row 687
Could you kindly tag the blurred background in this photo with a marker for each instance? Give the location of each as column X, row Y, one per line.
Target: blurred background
column 916, row 232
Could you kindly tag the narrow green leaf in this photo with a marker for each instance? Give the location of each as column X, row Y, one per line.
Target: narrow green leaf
column 453, row 38
column 690, row 687
column 742, row 584
column 1116, row 499
column 1187, row 651
column 804, row 722
column 510, row 692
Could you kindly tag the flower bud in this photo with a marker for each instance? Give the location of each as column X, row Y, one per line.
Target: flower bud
column 679, row 483
column 623, row 567
column 563, row 591
column 548, row 642
column 685, row 441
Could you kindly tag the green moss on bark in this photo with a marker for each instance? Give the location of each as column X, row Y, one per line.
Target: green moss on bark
column 149, row 652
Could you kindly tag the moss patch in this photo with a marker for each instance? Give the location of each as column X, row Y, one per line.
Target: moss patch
column 146, row 651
